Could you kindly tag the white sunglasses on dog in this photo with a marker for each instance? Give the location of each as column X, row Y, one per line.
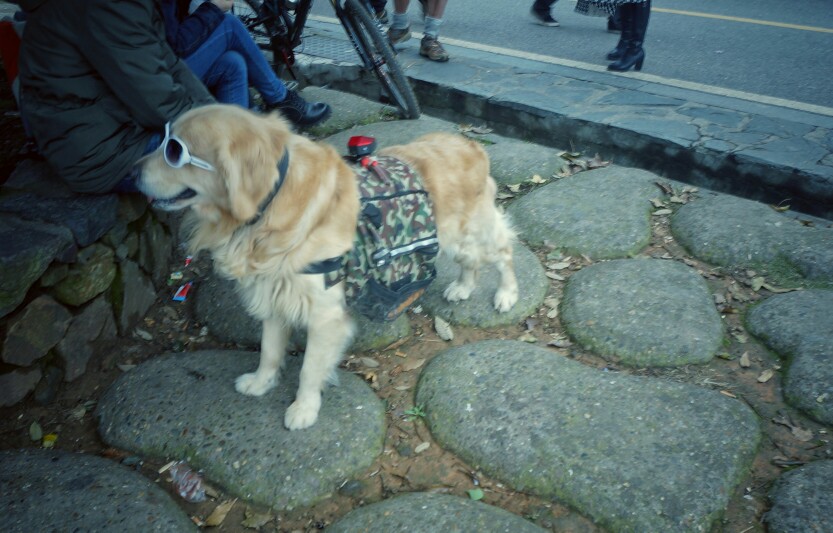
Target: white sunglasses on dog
column 176, row 153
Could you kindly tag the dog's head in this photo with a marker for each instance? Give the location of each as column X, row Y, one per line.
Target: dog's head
column 219, row 160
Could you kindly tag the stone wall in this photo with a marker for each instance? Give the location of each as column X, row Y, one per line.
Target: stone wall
column 75, row 271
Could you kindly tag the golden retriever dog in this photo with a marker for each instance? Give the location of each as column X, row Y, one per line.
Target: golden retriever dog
column 223, row 162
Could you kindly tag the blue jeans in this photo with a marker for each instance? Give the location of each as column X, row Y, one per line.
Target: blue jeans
column 229, row 61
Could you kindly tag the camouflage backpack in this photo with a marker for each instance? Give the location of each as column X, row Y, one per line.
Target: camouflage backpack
column 392, row 260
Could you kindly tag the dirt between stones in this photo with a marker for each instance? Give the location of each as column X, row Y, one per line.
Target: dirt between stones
column 170, row 326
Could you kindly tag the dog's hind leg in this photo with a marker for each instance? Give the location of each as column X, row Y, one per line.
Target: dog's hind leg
column 507, row 292
column 462, row 287
column 329, row 332
column 272, row 351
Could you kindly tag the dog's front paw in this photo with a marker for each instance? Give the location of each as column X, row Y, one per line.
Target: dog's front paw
column 505, row 299
column 301, row 415
column 255, row 384
column 457, row 291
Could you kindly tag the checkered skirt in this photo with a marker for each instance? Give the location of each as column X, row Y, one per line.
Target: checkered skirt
column 602, row 8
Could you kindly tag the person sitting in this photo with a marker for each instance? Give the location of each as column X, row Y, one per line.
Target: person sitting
column 221, row 52
column 98, row 83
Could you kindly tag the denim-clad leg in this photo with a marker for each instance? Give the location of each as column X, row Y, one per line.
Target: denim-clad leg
column 231, row 35
column 226, row 78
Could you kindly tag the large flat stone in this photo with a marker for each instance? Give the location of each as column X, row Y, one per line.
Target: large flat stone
column 802, row 501
column 632, row 453
column 52, row 490
column 32, row 333
column 431, row 513
column 348, row 110
column 219, row 307
column 514, row 161
column 799, row 326
column 28, row 249
column 88, row 217
column 642, row 312
column 391, row 133
column 184, row 406
column 730, row 231
column 602, row 213
column 479, row 309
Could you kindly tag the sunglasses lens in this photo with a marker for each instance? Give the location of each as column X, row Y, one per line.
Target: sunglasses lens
column 173, row 153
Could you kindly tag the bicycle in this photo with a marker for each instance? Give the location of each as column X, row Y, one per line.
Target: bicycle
column 278, row 25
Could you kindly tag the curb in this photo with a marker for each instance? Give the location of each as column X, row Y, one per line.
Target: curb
column 756, row 150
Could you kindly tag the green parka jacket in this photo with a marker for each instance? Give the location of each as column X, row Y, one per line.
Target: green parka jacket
column 97, row 80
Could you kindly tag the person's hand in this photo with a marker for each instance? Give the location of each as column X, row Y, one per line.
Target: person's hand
column 225, row 5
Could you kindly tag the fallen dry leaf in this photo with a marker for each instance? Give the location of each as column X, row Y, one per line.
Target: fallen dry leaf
column 596, row 162
column 744, row 360
column 553, row 275
column 667, row 189
column 801, row 434
column 369, row 362
column 661, row 212
column 256, row 520
column 766, row 375
column 528, row 337
column 218, row 515
column 537, row 179
column 560, row 265
column 443, row 329
column 412, row 364
column 421, row 447
column 569, row 156
column 777, row 290
column 515, row 187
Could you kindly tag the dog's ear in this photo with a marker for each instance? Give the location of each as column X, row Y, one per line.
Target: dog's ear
column 249, row 167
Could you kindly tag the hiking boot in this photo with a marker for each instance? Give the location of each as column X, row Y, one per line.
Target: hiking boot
column 544, row 19
column 299, row 111
column 432, row 49
column 397, row 36
column 382, row 16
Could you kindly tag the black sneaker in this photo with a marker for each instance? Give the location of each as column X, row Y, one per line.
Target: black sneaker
column 382, row 16
column 544, row 19
column 299, row 111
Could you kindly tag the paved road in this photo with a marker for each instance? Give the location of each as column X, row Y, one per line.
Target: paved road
column 769, row 47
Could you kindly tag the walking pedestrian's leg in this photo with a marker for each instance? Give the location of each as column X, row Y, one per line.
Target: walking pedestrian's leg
column 540, row 12
column 634, row 54
column 430, row 46
column 400, row 26
column 625, row 12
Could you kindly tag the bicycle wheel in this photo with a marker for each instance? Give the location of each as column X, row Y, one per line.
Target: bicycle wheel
column 259, row 23
column 378, row 56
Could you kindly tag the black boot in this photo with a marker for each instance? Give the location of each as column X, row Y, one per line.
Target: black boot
column 614, row 23
column 634, row 54
column 623, row 15
column 299, row 111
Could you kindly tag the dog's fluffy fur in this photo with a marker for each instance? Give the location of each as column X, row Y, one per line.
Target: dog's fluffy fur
column 313, row 217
